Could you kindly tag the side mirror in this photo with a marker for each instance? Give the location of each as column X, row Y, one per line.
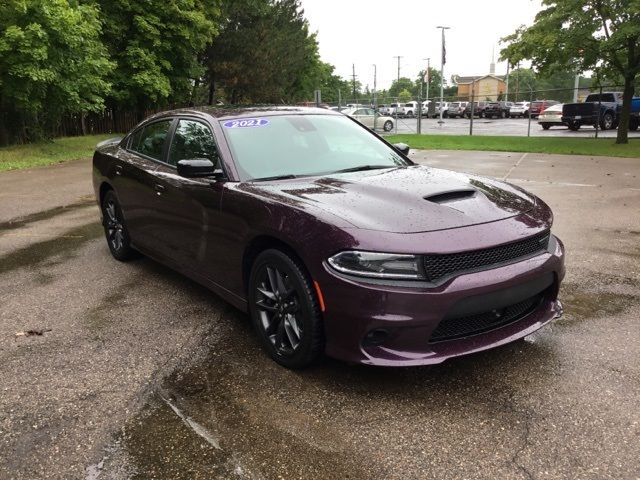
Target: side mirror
column 198, row 167
column 403, row 148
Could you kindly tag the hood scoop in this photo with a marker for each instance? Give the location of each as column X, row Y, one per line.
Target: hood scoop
column 450, row 196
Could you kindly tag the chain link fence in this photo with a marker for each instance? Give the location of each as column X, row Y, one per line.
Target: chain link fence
column 591, row 112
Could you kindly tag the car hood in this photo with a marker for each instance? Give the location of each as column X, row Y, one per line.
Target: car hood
column 403, row 200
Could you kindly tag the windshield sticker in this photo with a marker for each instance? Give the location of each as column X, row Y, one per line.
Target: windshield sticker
column 246, row 122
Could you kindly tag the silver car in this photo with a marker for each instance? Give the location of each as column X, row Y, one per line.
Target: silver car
column 369, row 118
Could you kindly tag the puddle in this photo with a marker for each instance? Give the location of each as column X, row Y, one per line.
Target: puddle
column 46, row 214
column 237, row 414
column 61, row 246
column 582, row 304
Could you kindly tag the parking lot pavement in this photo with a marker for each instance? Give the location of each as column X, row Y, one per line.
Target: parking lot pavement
column 144, row 374
column 498, row 126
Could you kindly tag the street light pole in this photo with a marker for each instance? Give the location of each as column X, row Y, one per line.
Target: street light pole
column 375, row 98
column 397, row 98
column 428, row 79
column 443, row 60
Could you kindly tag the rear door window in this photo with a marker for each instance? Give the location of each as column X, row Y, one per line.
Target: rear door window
column 150, row 139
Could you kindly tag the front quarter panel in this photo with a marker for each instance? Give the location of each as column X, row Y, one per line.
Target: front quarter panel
column 246, row 215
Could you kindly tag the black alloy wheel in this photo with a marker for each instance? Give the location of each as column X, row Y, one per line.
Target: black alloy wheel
column 607, row 121
column 285, row 310
column 115, row 229
column 388, row 125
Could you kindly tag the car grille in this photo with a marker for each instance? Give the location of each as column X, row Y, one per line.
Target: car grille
column 452, row 328
column 439, row 266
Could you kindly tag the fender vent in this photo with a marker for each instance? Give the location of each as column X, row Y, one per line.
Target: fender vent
column 450, row 196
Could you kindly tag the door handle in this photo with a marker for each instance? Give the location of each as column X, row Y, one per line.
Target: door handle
column 118, row 169
column 158, row 188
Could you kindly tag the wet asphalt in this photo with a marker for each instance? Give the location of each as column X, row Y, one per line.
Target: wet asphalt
column 141, row 373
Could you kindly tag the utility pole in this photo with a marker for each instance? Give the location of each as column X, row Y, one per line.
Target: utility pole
column 353, row 76
column 398, row 57
column 375, row 98
column 443, row 60
column 507, row 90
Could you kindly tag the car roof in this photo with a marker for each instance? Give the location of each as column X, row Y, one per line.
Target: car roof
column 238, row 112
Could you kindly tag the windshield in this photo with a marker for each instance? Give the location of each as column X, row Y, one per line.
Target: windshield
column 303, row 145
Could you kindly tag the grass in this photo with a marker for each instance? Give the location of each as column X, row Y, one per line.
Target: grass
column 73, row 148
column 557, row 145
column 48, row 153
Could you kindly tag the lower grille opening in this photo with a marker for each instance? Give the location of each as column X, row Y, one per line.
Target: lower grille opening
column 452, row 328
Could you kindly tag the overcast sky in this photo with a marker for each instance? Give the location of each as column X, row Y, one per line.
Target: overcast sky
column 367, row 32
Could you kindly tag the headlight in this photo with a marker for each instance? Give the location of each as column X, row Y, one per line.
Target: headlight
column 377, row 265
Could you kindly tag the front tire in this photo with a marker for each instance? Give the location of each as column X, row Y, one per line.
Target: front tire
column 388, row 125
column 574, row 126
column 115, row 229
column 284, row 310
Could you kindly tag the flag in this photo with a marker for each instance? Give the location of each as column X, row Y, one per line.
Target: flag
column 425, row 76
column 444, row 50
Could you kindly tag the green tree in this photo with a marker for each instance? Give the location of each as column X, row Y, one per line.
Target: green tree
column 51, row 62
column 399, row 85
column 156, row 46
column 330, row 84
column 264, row 53
column 434, row 83
column 404, row 96
column 522, row 81
column 582, row 35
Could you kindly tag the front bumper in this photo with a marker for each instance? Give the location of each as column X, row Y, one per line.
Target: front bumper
column 410, row 314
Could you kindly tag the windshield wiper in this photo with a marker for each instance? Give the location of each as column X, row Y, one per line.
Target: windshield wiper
column 362, row 168
column 277, row 177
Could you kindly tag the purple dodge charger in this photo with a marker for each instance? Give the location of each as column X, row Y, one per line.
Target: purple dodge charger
column 329, row 237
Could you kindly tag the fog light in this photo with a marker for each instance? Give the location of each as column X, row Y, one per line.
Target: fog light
column 376, row 337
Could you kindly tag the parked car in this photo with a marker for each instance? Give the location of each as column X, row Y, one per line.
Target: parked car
column 456, row 109
column 604, row 108
column 368, row 117
column 331, row 239
column 425, row 108
column 519, row 109
column 551, row 117
column 493, row 109
column 409, row 109
column 498, row 109
column 391, row 110
column 441, row 107
column 539, row 106
column 478, row 109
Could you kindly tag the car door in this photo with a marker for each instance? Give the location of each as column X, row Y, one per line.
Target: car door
column 368, row 117
column 134, row 178
column 359, row 115
column 187, row 209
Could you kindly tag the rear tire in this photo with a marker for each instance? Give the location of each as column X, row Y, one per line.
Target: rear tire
column 388, row 125
column 574, row 126
column 284, row 310
column 115, row 229
column 545, row 126
column 606, row 123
